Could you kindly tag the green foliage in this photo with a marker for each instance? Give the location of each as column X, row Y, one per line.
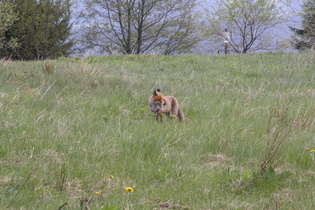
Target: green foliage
column 42, row 30
column 78, row 137
column 8, row 16
column 271, row 176
column 109, row 208
column 12, row 190
column 267, row 180
column 305, row 38
column 270, row 180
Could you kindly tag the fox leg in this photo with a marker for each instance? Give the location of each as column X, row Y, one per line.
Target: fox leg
column 159, row 117
column 169, row 115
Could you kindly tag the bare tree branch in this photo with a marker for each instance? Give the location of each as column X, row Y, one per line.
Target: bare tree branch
column 248, row 21
column 140, row 26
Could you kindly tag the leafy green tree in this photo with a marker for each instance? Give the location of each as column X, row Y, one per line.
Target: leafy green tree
column 8, row 16
column 305, row 38
column 248, row 23
column 43, row 29
column 140, row 26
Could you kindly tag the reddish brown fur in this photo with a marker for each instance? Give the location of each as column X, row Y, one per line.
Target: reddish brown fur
column 157, row 96
column 165, row 104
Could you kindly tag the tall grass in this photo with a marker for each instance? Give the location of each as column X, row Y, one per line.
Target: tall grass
column 67, row 125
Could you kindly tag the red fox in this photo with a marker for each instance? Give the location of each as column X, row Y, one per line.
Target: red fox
column 165, row 104
column 157, row 96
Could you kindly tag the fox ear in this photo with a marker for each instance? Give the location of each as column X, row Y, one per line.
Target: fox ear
column 154, row 93
column 158, row 90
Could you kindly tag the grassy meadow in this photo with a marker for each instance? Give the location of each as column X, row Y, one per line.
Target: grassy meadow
column 75, row 132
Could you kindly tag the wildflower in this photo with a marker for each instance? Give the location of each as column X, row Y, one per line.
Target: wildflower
column 129, row 189
column 174, row 116
column 97, row 192
column 111, row 176
column 308, row 149
column 312, row 150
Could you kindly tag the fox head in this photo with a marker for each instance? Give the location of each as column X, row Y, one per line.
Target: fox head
column 157, row 96
column 158, row 101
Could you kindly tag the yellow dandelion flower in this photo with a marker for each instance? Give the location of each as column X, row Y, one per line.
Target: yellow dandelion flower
column 174, row 116
column 308, row 149
column 97, row 193
column 312, row 150
column 129, row 189
column 111, row 176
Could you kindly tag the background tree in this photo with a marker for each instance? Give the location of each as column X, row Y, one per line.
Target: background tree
column 248, row 21
column 43, row 29
column 305, row 38
column 8, row 16
column 140, row 26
